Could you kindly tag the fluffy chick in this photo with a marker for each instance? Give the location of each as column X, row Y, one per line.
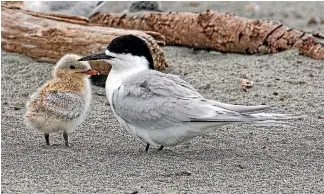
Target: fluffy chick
column 61, row 103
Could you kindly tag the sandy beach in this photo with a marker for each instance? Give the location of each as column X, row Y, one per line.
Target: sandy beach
column 233, row 159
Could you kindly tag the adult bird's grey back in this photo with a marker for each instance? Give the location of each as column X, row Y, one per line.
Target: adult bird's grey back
column 162, row 109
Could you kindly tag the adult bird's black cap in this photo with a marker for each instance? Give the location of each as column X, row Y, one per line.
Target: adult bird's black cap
column 95, row 57
column 126, row 44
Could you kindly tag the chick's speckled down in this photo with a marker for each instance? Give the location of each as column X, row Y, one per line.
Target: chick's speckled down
column 61, row 103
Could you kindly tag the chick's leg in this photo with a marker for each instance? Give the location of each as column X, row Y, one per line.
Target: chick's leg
column 46, row 135
column 147, row 147
column 66, row 139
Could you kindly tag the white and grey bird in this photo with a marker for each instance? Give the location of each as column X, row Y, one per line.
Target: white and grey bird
column 61, row 103
column 162, row 109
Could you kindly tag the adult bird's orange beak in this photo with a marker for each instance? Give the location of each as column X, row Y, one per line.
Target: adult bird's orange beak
column 92, row 72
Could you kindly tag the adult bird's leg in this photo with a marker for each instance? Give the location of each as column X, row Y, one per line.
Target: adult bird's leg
column 147, row 147
column 161, row 148
column 46, row 135
column 66, row 138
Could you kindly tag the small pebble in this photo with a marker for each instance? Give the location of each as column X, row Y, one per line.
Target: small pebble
column 314, row 21
column 184, row 173
column 240, row 166
column 193, row 4
column 17, row 108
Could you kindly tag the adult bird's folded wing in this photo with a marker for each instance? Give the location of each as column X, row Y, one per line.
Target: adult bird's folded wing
column 153, row 100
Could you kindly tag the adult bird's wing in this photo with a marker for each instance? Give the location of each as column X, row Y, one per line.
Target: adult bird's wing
column 154, row 100
column 65, row 105
column 239, row 108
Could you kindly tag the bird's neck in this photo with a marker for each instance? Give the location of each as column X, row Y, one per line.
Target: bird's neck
column 69, row 84
column 117, row 76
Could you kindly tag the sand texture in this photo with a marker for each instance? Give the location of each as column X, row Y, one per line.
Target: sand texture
column 233, row 159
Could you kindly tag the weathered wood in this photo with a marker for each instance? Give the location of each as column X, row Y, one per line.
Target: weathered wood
column 220, row 31
column 47, row 37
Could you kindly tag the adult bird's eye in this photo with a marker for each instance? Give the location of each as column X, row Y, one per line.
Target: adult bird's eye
column 72, row 67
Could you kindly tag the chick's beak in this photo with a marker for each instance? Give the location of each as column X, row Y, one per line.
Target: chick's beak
column 95, row 57
column 91, row 72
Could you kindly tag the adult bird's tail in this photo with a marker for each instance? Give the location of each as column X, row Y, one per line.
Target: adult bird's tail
column 272, row 119
column 250, row 115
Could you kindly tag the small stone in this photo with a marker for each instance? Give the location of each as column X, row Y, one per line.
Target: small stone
column 275, row 93
column 99, row 94
column 193, row 4
column 207, row 86
column 240, row 166
column 183, row 173
column 301, row 82
column 17, row 108
column 314, row 21
column 245, row 83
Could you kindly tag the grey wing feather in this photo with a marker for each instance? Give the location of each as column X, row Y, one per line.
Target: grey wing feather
column 235, row 108
column 65, row 105
column 239, row 108
column 154, row 100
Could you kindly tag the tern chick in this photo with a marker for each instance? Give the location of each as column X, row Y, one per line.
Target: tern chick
column 61, row 103
column 162, row 109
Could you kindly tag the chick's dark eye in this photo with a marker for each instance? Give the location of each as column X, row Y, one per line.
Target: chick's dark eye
column 72, row 67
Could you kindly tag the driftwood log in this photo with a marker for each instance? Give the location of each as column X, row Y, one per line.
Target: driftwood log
column 48, row 37
column 220, row 31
